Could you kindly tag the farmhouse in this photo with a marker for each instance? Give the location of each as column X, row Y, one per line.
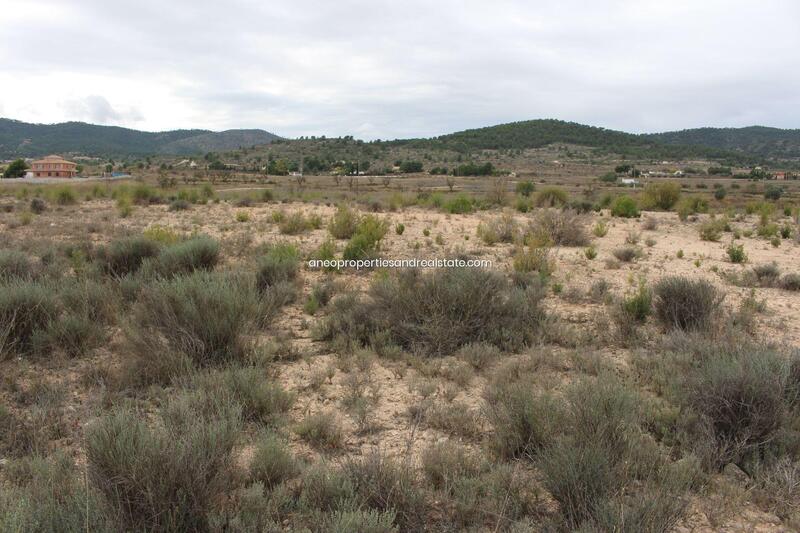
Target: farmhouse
column 53, row 166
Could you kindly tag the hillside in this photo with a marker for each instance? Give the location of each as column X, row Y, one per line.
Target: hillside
column 757, row 140
column 30, row 140
column 537, row 133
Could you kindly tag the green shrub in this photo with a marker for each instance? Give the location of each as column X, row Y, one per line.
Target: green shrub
column 773, row 192
column 260, row 399
column 38, row 206
column 14, row 265
column 563, row 228
column 27, row 309
column 195, row 254
column 179, row 204
column 736, row 253
column 344, row 223
column 65, row 196
column 686, row 304
column 272, row 462
column 460, row 204
column 294, row 224
column 691, row 206
column 600, row 229
column 525, row 188
column 47, row 494
column 535, row 259
column 364, row 243
column 791, row 282
column 280, row 264
column 626, row 254
column 711, row 230
column 461, row 306
column 551, row 197
column 636, row 307
column 321, row 430
column 126, row 256
column 366, row 521
column 662, row 195
column 625, row 207
column 744, row 396
column 202, row 319
column 168, row 478
column 767, row 275
column 384, row 485
column 501, row 229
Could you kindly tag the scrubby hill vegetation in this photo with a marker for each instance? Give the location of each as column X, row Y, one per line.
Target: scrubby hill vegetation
column 29, row 140
column 754, row 140
column 538, row 133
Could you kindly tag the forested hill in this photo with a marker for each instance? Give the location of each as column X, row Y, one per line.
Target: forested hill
column 755, row 140
column 538, row 133
column 21, row 139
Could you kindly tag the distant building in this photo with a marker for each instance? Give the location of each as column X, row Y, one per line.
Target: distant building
column 53, row 166
column 780, row 175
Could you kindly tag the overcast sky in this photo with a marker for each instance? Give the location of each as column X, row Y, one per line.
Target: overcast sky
column 406, row 68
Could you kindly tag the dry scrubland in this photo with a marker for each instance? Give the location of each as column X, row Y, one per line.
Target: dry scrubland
column 169, row 364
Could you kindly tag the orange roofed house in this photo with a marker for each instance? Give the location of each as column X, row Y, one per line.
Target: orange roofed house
column 53, row 166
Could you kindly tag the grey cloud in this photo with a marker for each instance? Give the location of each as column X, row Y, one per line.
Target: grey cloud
column 416, row 68
column 98, row 110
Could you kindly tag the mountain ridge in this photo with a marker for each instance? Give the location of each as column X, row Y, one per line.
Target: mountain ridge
column 743, row 145
column 23, row 139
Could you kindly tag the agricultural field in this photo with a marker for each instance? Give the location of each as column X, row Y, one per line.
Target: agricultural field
column 625, row 360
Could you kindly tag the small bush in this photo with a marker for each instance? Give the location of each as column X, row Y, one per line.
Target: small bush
column 65, row 196
column 736, row 253
column 179, row 204
column 461, row 306
column 202, row 319
column 280, row 264
column 711, row 230
column 344, row 222
column 244, row 216
column 662, row 195
column 14, row 265
column 364, row 243
column 165, row 479
column 626, row 254
column 743, row 395
column 196, row 254
column 534, row 260
column 272, row 462
column 384, row 485
column 321, row 430
column 563, row 228
column 47, row 494
column 636, row 306
column 38, row 206
column 767, row 275
column 691, row 206
column 551, row 197
column 260, row 399
column 600, row 229
column 625, row 207
column 460, row 204
column 500, row 229
column 126, row 256
column 27, row 309
column 790, row 282
column 294, row 224
column 525, row 188
column 686, row 304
